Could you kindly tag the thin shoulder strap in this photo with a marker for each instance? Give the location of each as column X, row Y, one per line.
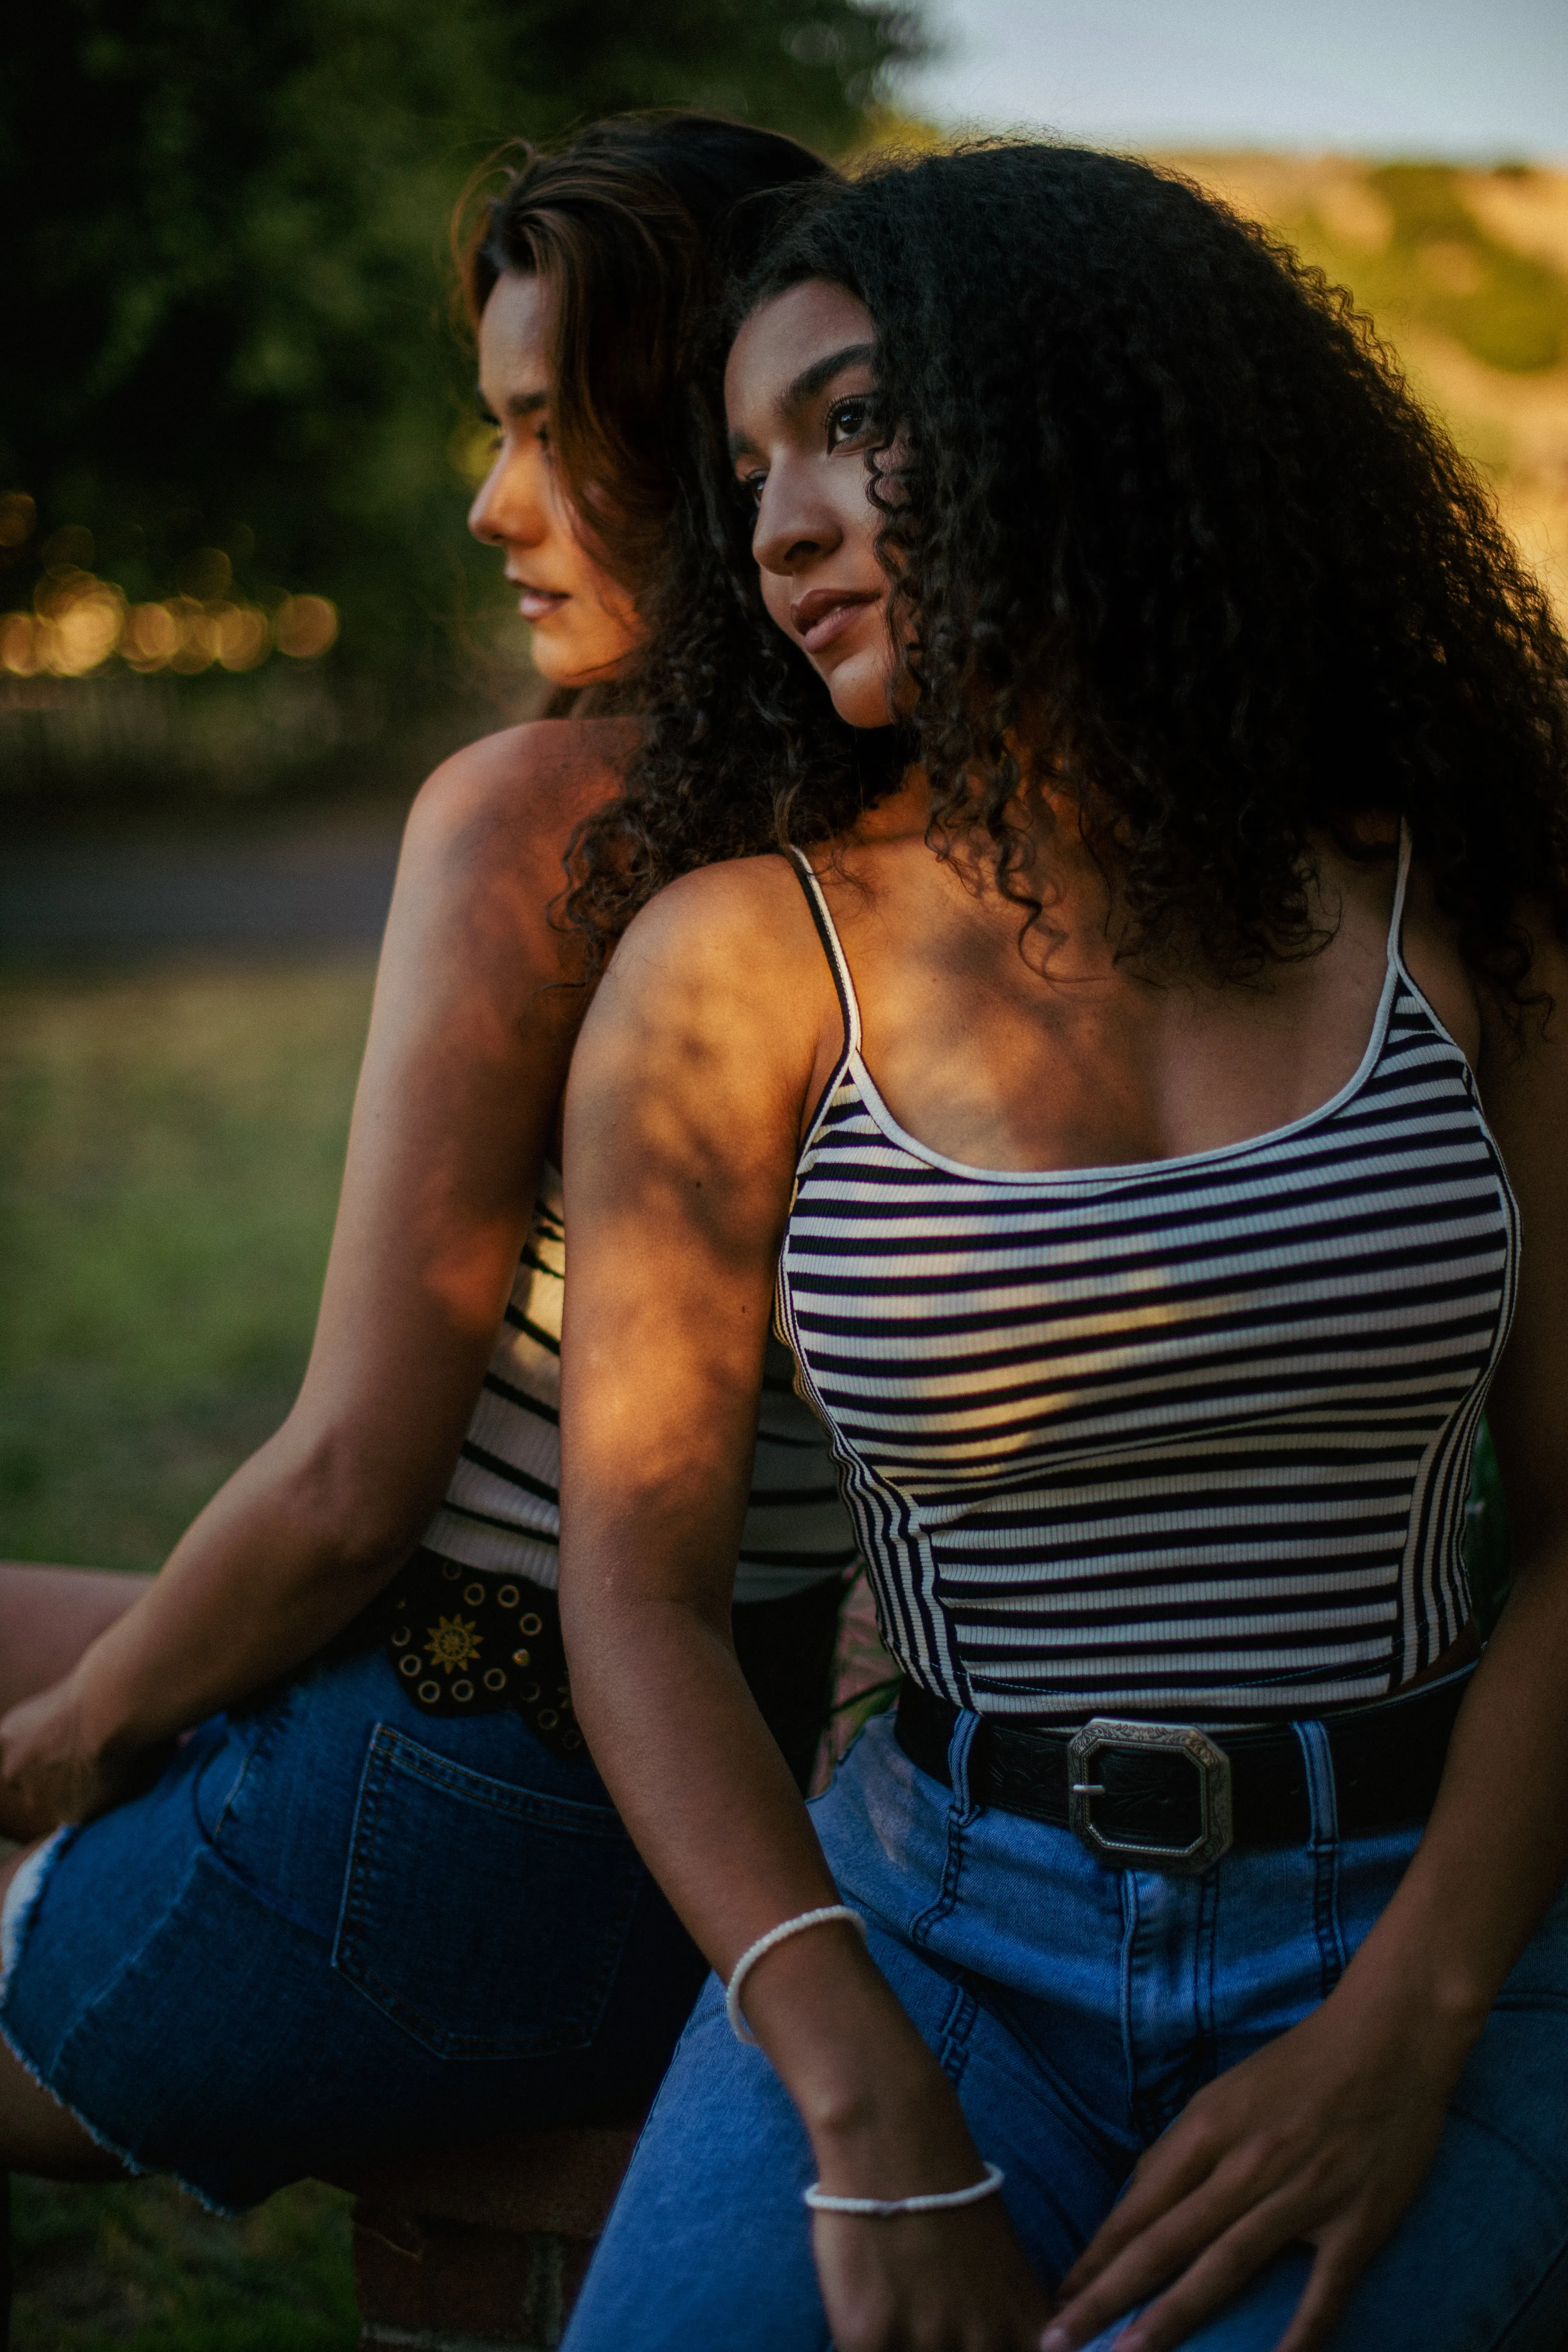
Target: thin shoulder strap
column 832, row 948
column 1396, row 921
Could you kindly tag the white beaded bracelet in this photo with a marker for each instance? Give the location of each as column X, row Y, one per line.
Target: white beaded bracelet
column 753, row 1953
column 883, row 2209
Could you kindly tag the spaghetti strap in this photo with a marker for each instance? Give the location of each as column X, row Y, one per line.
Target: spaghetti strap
column 1396, row 921
column 832, row 946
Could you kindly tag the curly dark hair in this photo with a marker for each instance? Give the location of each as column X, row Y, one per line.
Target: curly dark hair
column 1166, row 507
column 638, row 220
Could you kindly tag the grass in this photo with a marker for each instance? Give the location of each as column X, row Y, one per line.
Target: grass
column 139, row 2268
column 170, row 1150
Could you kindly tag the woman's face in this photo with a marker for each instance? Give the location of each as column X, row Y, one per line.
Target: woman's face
column 801, row 398
column 583, row 622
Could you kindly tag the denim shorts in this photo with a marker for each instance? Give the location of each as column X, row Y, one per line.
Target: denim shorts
column 337, row 1925
column 1076, row 2008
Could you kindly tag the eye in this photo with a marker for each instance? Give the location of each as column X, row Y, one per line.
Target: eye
column 751, row 486
column 851, row 419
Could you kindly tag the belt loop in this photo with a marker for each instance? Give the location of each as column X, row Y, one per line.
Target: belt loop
column 1322, row 1800
column 960, row 1750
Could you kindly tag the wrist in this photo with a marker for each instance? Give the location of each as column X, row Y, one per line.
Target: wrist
column 1429, row 1996
column 882, row 2117
column 893, row 2139
column 105, row 1722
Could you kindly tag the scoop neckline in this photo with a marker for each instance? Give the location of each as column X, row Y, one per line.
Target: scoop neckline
column 1127, row 1169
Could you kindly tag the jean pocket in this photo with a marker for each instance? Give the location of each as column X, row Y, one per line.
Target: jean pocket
column 486, row 1919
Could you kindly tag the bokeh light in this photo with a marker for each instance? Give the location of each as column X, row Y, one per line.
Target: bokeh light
column 304, row 626
column 17, row 515
column 79, row 621
column 152, row 637
column 206, row 573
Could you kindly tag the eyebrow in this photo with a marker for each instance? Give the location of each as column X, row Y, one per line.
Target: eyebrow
column 521, row 404
column 810, row 381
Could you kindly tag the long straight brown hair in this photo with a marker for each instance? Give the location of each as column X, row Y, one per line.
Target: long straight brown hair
column 635, row 222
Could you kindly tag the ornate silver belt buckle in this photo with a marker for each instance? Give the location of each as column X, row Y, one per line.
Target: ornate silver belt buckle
column 1211, row 1764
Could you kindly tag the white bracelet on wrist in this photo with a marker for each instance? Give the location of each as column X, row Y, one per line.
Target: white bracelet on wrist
column 884, row 2209
column 753, row 1953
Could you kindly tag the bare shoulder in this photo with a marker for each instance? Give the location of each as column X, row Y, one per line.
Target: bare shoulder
column 531, row 783
column 745, row 919
column 721, row 980
column 482, row 866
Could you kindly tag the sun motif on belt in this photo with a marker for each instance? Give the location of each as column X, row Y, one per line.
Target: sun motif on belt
column 452, row 1643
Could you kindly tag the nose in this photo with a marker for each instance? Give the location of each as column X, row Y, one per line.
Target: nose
column 481, row 514
column 502, row 514
column 793, row 528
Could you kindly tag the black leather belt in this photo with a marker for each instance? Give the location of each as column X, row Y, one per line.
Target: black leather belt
column 1166, row 1796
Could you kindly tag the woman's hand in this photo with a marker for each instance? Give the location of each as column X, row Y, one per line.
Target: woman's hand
column 51, row 1771
column 1322, row 2136
column 956, row 2279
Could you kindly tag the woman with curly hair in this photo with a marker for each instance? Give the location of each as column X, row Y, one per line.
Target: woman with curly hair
column 1147, row 1116
column 378, row 1898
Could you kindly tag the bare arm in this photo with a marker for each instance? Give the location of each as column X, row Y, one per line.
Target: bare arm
column 714, row 1026
column 457, row 1095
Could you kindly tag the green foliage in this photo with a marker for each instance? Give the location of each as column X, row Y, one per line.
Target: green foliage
column 171, row 1148
column 1507, row 308
column 138, row 2267
column 1439, row 267
column 228, row 322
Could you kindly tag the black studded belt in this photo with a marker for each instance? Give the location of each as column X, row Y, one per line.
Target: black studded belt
column 1171, row 1797
column 466, row 1644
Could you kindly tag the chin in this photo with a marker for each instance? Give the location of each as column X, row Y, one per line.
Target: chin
column 555, row 662
column 862, row 699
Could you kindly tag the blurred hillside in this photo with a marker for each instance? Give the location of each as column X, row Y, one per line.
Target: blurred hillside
column 1466, row 274
column 238, row 430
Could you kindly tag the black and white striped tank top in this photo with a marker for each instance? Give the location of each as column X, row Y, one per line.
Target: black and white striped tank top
column 502, row 1509
column 1187, row 1438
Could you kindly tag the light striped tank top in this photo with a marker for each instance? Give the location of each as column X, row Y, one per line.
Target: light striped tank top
column 1187, row 1438
column 502, row 1509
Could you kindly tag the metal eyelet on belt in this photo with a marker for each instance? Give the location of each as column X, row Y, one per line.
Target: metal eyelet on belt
column 1211, row 1764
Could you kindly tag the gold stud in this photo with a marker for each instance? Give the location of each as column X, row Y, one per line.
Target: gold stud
column 530, row 1623
column 522, row 1657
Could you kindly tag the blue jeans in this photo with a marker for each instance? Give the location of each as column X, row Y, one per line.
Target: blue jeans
column 1076, row 2008
column 337, row 1927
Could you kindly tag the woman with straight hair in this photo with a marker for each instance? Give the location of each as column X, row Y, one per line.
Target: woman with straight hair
column 1145, row 1121
column 338, row 1876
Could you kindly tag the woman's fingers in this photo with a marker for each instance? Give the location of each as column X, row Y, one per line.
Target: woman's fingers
column 1229, row 2267
column 1208, row 2250
column 1159, row 2199
column 1342, row 2255
column 1217, row 2264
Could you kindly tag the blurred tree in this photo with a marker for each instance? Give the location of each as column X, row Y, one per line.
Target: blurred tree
column 226, row 224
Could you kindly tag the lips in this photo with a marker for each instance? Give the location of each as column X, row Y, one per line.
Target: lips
column 538, row 603
column 824, row 613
